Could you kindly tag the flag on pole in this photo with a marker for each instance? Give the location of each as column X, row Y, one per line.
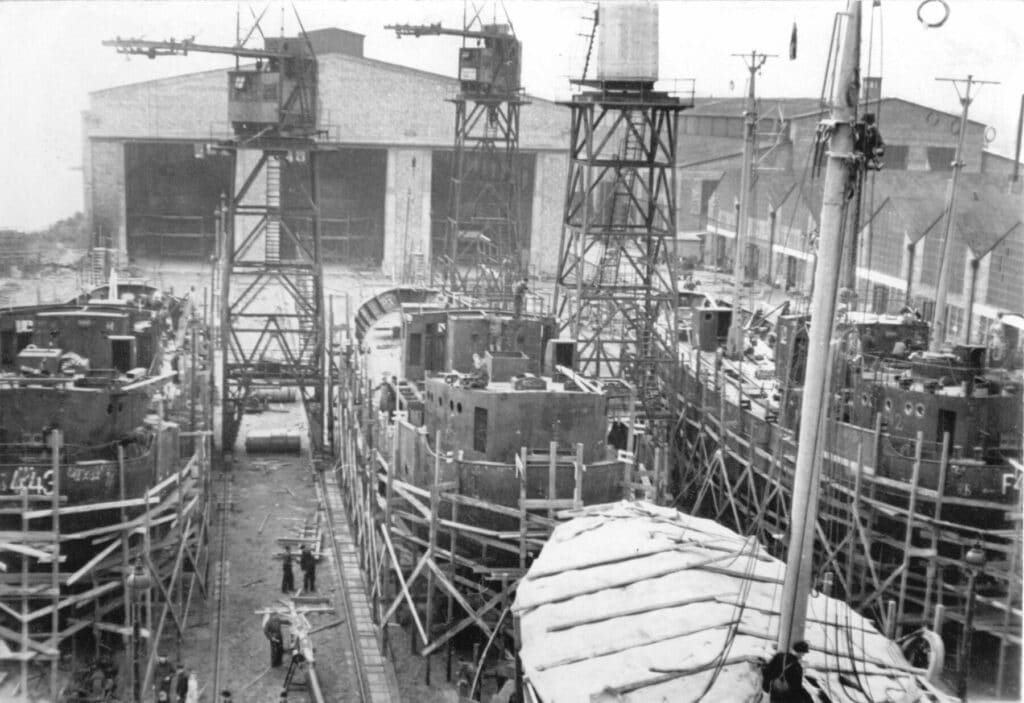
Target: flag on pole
column 792, row 44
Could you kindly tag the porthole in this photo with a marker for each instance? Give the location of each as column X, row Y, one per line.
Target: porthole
column 908, row 408
column 888, row 405
column 458, row 407
column 440, row 403
column 451, row 404
column 919, row 409
column 864, row 400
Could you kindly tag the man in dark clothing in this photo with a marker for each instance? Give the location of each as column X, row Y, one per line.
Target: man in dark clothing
column 272, row 629
column 162, row 676
column 388, row 399
column 181, row 684
column 308, row 563
column 287, row 575
column 784, row 677
column 519, row 298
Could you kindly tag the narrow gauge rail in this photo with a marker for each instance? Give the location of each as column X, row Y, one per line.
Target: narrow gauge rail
column 362, row 684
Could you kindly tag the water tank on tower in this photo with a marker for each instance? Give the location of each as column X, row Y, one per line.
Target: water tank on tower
column 627, row 42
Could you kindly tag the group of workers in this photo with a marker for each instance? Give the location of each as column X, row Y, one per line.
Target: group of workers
column 307, row 562
column 174, row 683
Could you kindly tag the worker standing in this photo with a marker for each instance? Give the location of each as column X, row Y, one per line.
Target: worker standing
column 519, row 298
column 181, row 685
column 308, row 563
column 287, row 575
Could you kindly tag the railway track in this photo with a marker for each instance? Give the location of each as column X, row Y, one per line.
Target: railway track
column 364, row 676
column 356, row 657
column 223, row 504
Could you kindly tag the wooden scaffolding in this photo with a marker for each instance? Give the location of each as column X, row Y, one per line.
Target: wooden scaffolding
column 882, row 544
column 422, row 557
column 163, row 534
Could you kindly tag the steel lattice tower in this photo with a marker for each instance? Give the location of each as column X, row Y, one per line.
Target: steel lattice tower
column 483, row 249
column 271, row 290
column 616, row 287
column 270, row 287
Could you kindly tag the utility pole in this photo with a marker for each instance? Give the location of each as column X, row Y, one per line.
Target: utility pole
column 939, row 319
column 754, row 61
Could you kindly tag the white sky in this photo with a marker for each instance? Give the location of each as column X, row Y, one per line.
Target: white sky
column 51, row 58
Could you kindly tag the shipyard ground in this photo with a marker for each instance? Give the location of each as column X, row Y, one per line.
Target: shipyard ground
column 270, row 496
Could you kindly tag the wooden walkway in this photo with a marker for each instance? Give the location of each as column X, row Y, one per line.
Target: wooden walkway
column 378, row 681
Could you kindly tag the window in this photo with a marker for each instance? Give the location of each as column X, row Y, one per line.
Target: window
column 896, row 156
column 940, row 158
column 480, row 429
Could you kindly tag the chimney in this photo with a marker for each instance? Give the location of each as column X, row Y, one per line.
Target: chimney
column 871, row 89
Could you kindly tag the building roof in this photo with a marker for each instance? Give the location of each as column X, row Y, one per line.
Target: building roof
column 788, row 107
column 326, row 43
column 794, row 108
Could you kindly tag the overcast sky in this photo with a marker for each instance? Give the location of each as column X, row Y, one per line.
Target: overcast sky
column 51, row 58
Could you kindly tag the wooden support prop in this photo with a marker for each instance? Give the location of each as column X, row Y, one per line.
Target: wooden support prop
column 909, row 533
column 552, row 476
column 88, row 566
column 521, row 460
column 396, row 567
column 578, row 468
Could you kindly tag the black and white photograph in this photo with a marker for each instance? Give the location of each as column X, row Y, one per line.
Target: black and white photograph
column 511, row 351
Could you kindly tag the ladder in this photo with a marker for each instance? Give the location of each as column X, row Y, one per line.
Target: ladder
column 272, row 241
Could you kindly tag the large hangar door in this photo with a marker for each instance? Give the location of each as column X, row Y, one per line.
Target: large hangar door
column 476, row 199
column 353, row 182
column 172, row 192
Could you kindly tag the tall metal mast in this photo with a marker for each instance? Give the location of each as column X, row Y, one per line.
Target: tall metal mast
column 939, row 326
column 806, row 482
column 754, row 62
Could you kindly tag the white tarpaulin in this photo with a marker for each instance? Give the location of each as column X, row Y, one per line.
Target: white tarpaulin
column 632, row 602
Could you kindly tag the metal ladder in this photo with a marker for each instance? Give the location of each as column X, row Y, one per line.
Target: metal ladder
column 272, row 240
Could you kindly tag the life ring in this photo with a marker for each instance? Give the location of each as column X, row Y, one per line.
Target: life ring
column 932, row 24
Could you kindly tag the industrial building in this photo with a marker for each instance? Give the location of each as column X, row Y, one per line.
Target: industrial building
column 902, row 210
column 154, row 178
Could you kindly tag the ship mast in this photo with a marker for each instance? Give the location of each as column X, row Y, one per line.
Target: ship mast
column 813, row 411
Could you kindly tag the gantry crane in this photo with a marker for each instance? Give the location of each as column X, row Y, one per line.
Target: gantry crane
column 271, row 301
column 484, row 251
